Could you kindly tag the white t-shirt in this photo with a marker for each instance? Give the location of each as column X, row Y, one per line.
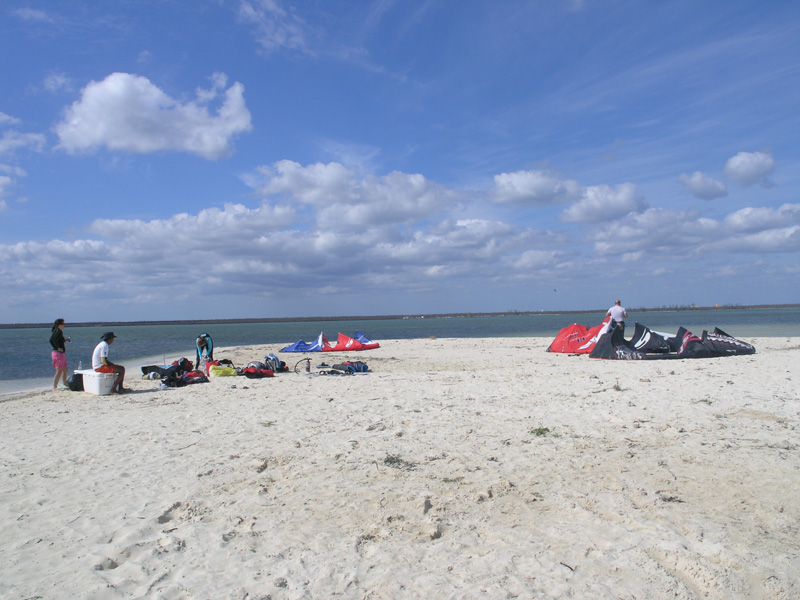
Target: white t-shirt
column 617, row 313
column 100, row 352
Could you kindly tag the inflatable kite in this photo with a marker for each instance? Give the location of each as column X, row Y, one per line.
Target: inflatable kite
column 612, row 345
column 578, row 339
column 343, row 343
column 606, row 341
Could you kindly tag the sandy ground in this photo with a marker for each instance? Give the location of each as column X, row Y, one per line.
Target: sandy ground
column 456, row 468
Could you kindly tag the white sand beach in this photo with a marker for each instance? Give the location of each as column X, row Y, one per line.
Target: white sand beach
column 456, row 468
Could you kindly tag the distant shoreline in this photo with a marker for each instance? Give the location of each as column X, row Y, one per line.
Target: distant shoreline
column 392, row 317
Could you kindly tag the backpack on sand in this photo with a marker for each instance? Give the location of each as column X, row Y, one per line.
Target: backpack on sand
column 75, row 382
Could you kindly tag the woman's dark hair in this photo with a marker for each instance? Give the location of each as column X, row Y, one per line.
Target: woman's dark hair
column 57, row 323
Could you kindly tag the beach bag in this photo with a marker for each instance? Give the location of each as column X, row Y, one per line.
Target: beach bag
column 194, row 377
column 209, row 364
column 172, row 380
column 254, row 373
column 272, row 362
column 184, row 365
column 256, row 364
column 75, row 382
column 352, row 367
column 220, row 371
column 276, row 364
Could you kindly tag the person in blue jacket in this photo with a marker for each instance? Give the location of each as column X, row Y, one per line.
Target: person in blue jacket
column 205, row 349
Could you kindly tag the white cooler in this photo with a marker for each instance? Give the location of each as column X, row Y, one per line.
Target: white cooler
column 99, row 384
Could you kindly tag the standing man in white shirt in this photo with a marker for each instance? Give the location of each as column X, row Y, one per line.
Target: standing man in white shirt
column 618, row 314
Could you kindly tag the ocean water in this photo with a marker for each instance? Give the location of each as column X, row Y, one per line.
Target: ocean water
column 25, row 353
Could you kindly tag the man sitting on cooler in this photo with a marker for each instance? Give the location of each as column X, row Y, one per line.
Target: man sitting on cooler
column 101, row 364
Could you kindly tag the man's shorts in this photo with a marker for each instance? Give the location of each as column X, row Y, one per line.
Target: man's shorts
column 59, row 359
column 105, row 369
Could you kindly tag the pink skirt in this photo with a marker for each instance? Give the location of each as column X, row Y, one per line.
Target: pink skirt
column 59, row 359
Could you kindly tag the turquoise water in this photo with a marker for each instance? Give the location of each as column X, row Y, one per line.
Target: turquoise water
column 25, row 353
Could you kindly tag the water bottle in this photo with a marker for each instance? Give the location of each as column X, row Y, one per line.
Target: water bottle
column 308, row 365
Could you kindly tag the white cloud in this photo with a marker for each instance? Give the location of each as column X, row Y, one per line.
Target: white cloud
column 604, row 203
column 534, row 188
column 656, row 230
column 323, row 228
column 55, row 82
column 703, row 186
column 212, row 229
column 8, row 181
column 784, row 239
column 32, row 14
column 345, row 200
column 276, row 27
column 41, row 257
column 762, row 218
column 360, row 156
column 8, row 119
column 11, row 141
column 748, row 168
column 317, row 185
column 534, row 260
column 665, row 232
column 17, row 171
column 128, row 113
column 5, row 183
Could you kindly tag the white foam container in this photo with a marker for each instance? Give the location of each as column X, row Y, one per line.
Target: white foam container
column 99, row 384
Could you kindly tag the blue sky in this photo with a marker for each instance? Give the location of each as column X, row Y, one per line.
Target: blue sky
column 257, row 158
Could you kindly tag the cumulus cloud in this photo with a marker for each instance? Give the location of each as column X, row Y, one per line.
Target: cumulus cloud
column 128, row 113
column 232, row 226
column 327, row 229
column 661, row 231
column 534, row 188
column 763, row 218
column 655, row 230
column 703, row 186
column 604, row 203
column 783, row 239
column 318, row 185
column 533, row 260
column 42, row 257
column 344, row 200
column 748, row 168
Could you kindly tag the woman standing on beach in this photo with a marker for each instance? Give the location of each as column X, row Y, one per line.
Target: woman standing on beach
column 59, row 354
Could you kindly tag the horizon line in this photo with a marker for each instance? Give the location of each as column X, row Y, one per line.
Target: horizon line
column 508, row 313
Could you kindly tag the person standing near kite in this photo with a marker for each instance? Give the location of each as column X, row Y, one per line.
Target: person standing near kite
column 205, row 350
column 618, row 314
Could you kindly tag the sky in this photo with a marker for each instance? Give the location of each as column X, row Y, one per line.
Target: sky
column 163, row 159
